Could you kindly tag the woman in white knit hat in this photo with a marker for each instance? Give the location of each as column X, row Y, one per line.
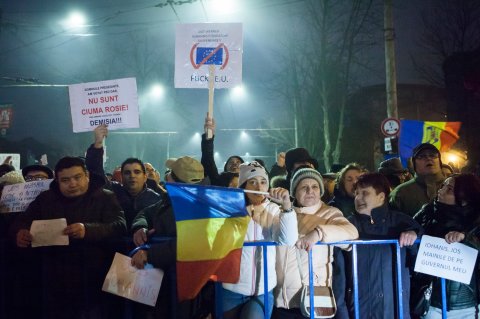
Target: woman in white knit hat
column 316, row 222
column 269, row 222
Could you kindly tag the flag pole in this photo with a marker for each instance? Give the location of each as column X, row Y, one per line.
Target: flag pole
column 266, row 194
column 256, row 192
column 211, row 83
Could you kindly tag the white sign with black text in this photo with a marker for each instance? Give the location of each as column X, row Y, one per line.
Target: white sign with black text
column 17, row 197
column 450, row 261
column 113, row 103
column 198, row 45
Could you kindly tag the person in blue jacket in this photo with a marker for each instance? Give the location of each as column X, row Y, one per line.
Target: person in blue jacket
column 377, row 279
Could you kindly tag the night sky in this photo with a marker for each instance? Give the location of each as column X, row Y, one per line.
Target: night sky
column 34, row 45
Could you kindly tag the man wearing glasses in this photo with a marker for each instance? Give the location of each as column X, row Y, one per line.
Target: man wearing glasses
column 36, row 173
column 410, row 196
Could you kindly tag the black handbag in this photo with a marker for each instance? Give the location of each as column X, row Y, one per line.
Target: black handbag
column 420, row 300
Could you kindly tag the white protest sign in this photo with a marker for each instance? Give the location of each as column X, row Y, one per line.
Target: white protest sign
column 451, row 261
column 49, row 232
column 198, row 45
column 113, row 102
column 124, row 280
column 15, row 159
column 17, row 197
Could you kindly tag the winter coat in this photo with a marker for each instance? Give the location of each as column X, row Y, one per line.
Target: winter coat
column 376, row 264
column 333, row 227
column 343, row 202
column 163, row 254
column 438, row 219
column 131, row 204
column 410, row 196
column 268, row 223
column 72, row 276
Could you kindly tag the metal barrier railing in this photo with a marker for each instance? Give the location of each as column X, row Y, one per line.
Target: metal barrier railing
column 354, row 244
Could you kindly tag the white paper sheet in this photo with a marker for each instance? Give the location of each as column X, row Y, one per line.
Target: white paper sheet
column 49, row 232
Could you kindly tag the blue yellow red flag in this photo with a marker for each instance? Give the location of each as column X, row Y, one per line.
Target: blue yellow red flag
column 412, row 133
column 211, row 225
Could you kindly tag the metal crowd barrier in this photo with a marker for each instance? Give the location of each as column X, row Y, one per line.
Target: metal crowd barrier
column 264, row 245
column 354, row 244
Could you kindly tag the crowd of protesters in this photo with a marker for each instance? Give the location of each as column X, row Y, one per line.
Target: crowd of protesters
column 294, row 205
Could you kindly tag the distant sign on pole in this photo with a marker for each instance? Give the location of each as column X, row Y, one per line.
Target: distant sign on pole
column 114, row 103
column 198, row 45
column 450, row 261
column 390, row 127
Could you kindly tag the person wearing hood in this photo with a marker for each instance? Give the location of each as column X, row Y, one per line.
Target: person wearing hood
column 376, row 263
column 93, row 215
column 410, row 196
column 454, row 216
column 232, row 165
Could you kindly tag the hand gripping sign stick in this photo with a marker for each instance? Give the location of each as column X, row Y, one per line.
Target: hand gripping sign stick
column 211, row 83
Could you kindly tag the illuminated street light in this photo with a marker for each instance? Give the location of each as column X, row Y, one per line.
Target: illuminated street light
column 223, row 6
column 452, row 158
column 238, row 91
column 75, row 20
column 157, row 91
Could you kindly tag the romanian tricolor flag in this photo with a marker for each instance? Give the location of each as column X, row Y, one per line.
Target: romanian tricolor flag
column 211, row 226
column 441, row 134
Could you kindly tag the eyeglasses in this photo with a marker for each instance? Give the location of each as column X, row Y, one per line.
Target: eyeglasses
column 30, row 178
column 427, row 156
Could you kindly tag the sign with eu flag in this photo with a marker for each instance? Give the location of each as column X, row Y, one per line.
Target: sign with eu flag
column 209, row 56
column 200, row 45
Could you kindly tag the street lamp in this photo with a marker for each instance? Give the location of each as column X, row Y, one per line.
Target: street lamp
column 157, row 91
column 223, row 6
column 76, row 19
column 238, row 92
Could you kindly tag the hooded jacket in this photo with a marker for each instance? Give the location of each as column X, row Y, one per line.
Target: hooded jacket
column 71, row 276
column 97, row 209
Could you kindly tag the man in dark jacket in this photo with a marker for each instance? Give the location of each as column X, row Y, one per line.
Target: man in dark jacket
column 133, row 193
column 72, row 275
column 410, row 196
column 376, row 263
column 159, row 220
